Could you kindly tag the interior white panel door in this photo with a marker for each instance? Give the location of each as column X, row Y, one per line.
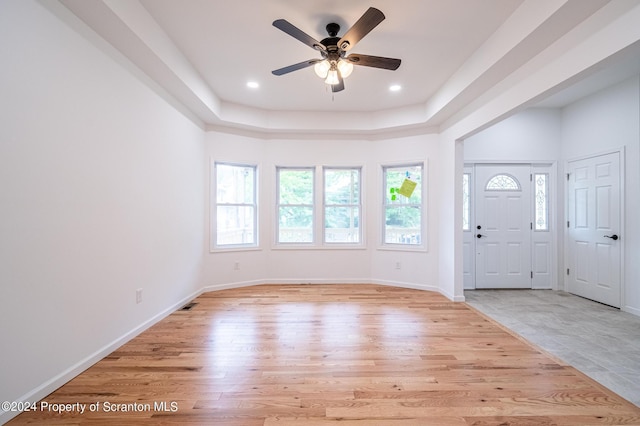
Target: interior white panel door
column 594, row 246
column 503, row 226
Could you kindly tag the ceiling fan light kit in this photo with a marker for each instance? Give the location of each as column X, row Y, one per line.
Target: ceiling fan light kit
column 324, row 67
column 332, row 75
column 345, row 68
column 335, row 65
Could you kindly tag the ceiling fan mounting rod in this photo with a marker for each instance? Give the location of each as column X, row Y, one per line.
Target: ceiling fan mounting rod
column 332, row 29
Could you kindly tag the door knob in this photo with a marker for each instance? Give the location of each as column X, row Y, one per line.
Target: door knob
column 614, row 237
column 479, row 236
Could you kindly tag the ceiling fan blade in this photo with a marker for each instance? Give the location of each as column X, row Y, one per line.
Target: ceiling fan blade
column 338, row 87
column 297, row 33
column 374, row 61
column 295, row 67
column 371, row 18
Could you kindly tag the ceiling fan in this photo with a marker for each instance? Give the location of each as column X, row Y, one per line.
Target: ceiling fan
column 335, row 64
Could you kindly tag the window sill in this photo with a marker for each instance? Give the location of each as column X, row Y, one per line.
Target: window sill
column 400, row 247
column 234, row 249
column 317, row 247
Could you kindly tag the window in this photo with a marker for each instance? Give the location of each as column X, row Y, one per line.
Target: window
column 503, row 183
column 466, row 202
column 342, row 205
column 236, row 206
column 403, row 205
column 295, row 205
column 541, row 190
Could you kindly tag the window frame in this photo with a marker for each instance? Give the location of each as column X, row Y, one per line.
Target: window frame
column 422, row 245
column 278, row 205
column 214, row 245
column 466, row 201
column 358, row 206
column 505, row 177
column 547, row 201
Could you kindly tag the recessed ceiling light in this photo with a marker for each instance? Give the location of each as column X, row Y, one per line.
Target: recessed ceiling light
column 253, row 84
column 395, row 88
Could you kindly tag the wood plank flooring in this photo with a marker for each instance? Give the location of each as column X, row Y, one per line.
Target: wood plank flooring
column 285, row 355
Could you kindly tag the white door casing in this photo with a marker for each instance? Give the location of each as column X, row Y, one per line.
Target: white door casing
column 503, row 226
column 594, row 242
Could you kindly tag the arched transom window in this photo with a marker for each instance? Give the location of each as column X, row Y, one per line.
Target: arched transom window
column 503, row 182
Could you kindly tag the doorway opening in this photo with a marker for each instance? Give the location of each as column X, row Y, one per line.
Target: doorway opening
column 509, row 238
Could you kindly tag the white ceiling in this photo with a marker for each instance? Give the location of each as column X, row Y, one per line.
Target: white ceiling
column 203, row 53
column 232, row 42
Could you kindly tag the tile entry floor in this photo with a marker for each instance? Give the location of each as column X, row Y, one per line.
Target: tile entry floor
column 600, row 341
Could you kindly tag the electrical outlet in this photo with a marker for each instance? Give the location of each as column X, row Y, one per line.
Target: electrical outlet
column 236, row 266
column 398, row 265
column 139, row 295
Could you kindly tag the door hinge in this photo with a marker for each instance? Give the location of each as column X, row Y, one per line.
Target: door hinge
column 531, row 274
column 567, row 224
column 568, row 174
column 567, row 271
column 531, row 225
column 530, row 177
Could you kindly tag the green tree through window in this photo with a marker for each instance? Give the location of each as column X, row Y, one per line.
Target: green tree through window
column 295, row 205
column 236, row 206
column 402, row 213
column 342, row 205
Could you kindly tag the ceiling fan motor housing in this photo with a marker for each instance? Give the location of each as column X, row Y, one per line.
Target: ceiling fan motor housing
column 333, row 51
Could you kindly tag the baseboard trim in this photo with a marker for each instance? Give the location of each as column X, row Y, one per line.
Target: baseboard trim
column 318, row 281
column 218, row 287
column 414, row 286
column 631, row 310
column 452, row 297
column 57, row 381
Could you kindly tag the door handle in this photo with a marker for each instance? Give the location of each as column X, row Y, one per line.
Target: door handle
column 614, row 237
column 479, row 236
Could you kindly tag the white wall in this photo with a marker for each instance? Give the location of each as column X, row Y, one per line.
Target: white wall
column 219, row 267
column 605, row 121
column 103, row 189
column 101, row 186
column 418, row 269
column 300, row 265
column 532, row 135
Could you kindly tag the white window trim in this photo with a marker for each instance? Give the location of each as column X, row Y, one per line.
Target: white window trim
column 314, row 225
column 535, row 174
column 498, row 189
column 213, row 207
column 468, row 209
column 359, row 206
column 422, row 247
column 318, row 210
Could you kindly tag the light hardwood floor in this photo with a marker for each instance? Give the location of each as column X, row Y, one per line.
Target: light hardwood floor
column 333, row 354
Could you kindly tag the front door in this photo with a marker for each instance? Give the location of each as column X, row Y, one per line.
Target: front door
column 594, row 243
column 503, row 226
